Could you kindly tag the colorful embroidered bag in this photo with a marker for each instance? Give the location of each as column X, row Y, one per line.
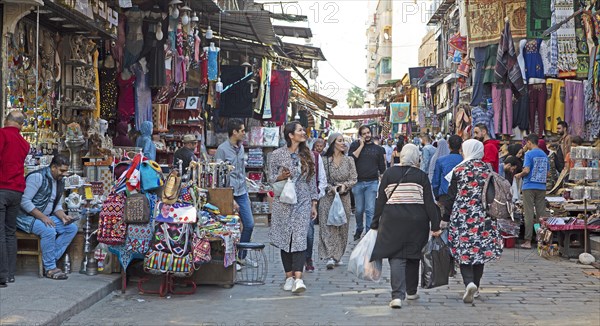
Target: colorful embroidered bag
column 111, row 226
column 201, row 250
column 170, row 251
column 137, row 209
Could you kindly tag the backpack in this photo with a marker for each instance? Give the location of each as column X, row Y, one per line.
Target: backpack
column 497, row 197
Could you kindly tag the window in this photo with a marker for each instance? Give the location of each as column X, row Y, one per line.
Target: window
column 385, row 66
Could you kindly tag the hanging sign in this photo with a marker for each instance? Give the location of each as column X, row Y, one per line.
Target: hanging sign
column 399, row 112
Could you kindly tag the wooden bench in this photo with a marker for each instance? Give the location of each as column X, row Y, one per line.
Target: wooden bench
column 24, row 247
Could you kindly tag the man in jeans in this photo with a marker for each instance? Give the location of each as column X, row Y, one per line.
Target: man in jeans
column 369, row 159
column 232, row 152
column 535, row 171
column 13, row 151
column 42, row 213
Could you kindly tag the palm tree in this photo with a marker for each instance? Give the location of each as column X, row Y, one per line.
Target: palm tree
column 355, row 97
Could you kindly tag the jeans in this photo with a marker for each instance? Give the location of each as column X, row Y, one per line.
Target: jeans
column 247, row 220
column 310, row 239
column 10, row 202
column 471, row 273
column 53, row 247
column 533, row 198
column 365, row 193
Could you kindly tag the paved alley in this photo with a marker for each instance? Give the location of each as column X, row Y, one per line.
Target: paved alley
column 520, row 289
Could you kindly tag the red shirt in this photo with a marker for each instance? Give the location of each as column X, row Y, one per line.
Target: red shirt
column 491, row 148
column 13, row 150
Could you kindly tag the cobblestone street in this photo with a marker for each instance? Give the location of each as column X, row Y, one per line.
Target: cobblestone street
column 519, row 289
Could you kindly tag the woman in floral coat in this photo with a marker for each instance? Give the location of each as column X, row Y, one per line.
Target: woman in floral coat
column 474, row 237
column 289, row 223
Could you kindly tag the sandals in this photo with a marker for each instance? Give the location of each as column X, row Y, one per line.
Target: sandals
column 56, row 274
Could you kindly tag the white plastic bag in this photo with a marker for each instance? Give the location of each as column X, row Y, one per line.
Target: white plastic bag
column 337, row 214
column 360, row 264
column 288, row 194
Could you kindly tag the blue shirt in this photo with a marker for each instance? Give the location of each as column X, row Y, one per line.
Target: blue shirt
column 226, row 152
column 537, row 162
column 428, row 152
column 443, row 166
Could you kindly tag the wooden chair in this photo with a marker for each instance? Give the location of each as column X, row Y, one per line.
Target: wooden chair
column 24, row 247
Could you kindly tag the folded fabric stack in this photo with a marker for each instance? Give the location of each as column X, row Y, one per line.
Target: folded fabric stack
column 255, row 158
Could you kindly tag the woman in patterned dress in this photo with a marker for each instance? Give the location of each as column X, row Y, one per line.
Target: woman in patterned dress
column 289, row 223
column 474, row 237
column 341, row 176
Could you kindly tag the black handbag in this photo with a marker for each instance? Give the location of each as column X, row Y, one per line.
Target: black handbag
column 137, row 209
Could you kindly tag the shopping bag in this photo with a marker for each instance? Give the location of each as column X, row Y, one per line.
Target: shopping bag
column 337, row 214
column 436, row 264
column 360, row 263
column 288, row 194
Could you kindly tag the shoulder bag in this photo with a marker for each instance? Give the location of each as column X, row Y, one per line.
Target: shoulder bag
column 137, row 209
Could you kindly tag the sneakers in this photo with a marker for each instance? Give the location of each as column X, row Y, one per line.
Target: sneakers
column 247, row 262
column 238, row 267
column 308, row 267
column 339, row 263
column 396, row 304
column 330, row 263
column 476, row 295
column 412, row 296
column 469, row 293
column 298, row 286
column 357, row 235
column 289, row 283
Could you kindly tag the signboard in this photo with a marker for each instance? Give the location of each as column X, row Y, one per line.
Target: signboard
column 416, row 73
column 399, row 112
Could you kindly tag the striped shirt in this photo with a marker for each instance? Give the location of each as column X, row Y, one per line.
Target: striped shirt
column 405, row 193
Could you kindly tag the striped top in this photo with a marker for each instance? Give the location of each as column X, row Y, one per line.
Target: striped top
column 405, row 193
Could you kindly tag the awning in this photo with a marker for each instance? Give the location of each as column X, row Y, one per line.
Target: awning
column 250, row 25
column 316, row 101
column 291, row 31
column 357, row 114
column 205, row 6
column 440, row 12
column 303, row 54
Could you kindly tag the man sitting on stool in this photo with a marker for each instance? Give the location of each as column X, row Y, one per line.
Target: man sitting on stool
column 186, row 153
column 42, row 214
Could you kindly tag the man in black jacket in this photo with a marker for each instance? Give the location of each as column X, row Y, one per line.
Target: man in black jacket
column 186, row 153
column 369, row 159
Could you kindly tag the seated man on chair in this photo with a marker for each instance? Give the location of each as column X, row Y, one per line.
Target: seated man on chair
column 42, row 214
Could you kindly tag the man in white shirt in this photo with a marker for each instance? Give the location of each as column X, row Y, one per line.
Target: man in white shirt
column 389, row 149
column 318, row 147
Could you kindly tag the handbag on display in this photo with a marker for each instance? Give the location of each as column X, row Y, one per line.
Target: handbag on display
column 112, row 229
column 137, row 209
column 151, row 176
column 176, row 213
column 201, row 250
column 171, row 189
column 171, row 250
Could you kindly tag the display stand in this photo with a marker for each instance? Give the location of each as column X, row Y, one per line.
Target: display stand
column 214, row 272
column 167, row 285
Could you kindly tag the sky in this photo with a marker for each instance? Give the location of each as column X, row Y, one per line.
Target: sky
column 339, row 29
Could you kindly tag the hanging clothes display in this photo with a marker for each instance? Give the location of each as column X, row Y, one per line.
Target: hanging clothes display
column 502, row 102
column 521, row 111
column 507, row 67
column 280, row 92
column 154, row 50
column 267, row 113
column 143, row 95
column 134, row 37
column 236, row 100
column 126, row 109
column 534, row 66
column 213, row 69
column 262, row 84
column 96, row 113
column 537, row 105
column 555, row 104
column 566, row 40
column 108, row 93
column 480, row 54
column 574, row 106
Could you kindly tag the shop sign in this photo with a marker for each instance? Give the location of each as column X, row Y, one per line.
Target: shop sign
column 96, row 10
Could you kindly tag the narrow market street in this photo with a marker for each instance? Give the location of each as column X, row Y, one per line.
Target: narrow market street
column 520, row 289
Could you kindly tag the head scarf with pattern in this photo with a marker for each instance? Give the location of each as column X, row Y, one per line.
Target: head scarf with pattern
column 472, row 149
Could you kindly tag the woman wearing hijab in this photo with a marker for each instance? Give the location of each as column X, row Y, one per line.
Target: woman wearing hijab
column 121, row 139
column 474, row 237
column 405, row 209
column 341, row 176
column 442, row 150
column 145, row 141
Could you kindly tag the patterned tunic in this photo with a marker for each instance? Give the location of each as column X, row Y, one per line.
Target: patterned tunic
column 333, row 239
column 474, row 238
column 289, row 223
